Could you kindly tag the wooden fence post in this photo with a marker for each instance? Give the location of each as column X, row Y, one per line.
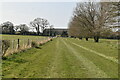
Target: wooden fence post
column 23, row 46
column 13, row 43
column 18, row 43
column 28, row 42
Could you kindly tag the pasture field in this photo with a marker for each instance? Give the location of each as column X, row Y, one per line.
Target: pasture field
column 65, row 58
column 11, row 37
column 24, row 41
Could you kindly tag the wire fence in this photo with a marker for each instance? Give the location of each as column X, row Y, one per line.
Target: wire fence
column 17, row 45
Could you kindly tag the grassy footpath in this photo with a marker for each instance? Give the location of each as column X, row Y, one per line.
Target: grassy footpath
column 61, row 58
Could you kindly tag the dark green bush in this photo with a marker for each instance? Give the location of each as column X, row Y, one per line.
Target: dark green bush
column 51, row 40
column 34, row 44
column 5, row 46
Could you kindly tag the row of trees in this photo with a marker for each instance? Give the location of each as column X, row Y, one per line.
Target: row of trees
column 93, row 19
column 39, row 24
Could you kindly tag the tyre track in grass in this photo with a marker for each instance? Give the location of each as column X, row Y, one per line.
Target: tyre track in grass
column 108, row 66
column 95, row 52
column 72, row 67
column 64, row 65
column 58, row 68
column 60, row 63
column 93, row 70
column 54, row 73
column 68, row 65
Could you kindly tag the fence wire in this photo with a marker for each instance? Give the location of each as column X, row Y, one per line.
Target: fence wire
column 17, row 45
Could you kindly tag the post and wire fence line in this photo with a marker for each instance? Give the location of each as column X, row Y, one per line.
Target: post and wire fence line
column 17, row 45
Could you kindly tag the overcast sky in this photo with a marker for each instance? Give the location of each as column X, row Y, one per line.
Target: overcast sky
column 57, row 13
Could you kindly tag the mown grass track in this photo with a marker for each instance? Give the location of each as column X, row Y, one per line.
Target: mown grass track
column 61, row 58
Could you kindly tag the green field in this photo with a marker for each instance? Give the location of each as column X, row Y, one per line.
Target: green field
column 10, row 37
column 65, row 58
column 24, row 39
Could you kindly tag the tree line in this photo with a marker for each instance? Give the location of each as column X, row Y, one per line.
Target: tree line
column 39, row 24
column 93, row 20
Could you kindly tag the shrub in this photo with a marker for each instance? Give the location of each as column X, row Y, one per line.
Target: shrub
column 51, row 40
column 5, row 46
column 34, row 44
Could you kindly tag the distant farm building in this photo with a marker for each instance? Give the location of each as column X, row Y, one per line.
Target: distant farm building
column 55, row 32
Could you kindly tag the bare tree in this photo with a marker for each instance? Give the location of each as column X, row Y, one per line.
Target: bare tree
column 74, row 29
column 93, row 18
column 39, row 23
